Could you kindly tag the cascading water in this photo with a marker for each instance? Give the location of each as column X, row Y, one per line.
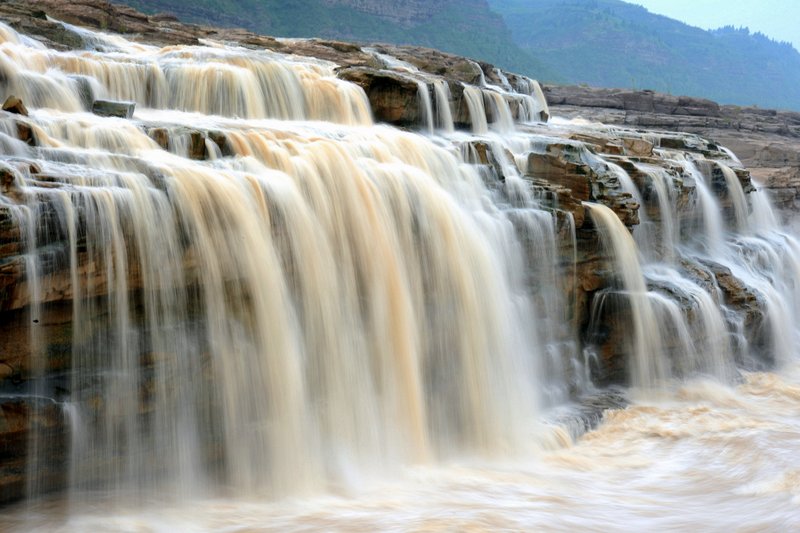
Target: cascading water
column 504, row 122
column 477, row 112
column 737, row 195
column 660, row 239
column 646, row 345
column 270, row 296
column 712, row 229
column 444, row 116
column 236, row 82
column 425, row 105
column 325, row 302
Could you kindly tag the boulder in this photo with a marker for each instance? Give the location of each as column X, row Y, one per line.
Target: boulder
column 9, row 186
column 197, row 146
column 15, row 105
column 160, row 136
column 637, row 147
column 25, row 133
column 393, row 97
column 108, row 108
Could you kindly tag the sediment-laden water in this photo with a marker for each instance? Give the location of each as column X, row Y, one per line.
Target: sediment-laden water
column 703, row 457
column 285, row 317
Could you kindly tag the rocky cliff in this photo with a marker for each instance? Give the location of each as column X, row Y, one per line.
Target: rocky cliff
column 766, row 141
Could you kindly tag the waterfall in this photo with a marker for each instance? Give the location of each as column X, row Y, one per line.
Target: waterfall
column 322, row 303
column 737, row 195
column 426, row 107
column 250, row 290
column 503, row 122
column 713, row 225
column 648, row 366
column 762, row 217
column 669, row 224
column 235, row 82
column 444, row 115
column 473, row 96
column 298, row 348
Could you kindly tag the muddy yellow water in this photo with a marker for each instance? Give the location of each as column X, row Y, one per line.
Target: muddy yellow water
column 703, row 457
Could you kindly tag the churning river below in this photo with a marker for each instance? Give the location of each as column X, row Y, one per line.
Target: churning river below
column 702, row 457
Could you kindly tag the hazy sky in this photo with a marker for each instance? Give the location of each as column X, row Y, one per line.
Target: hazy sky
column 778, row 19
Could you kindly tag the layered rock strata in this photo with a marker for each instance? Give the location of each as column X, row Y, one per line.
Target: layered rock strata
column 767, row 141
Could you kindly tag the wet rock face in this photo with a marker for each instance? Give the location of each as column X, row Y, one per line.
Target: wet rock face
column 602, row 313
column 393, row 98
column 23, row 420
column 15, row 105
column 566, row 172
column 107, row 108
column 784, row 184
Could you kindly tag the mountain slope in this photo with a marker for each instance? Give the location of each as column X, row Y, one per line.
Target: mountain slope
column 463, row 27
column 615, row 44
column 607, row 43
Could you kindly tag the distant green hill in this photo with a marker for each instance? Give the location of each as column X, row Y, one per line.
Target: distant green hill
column 464, row 27
column 611, row 43
column 607, row 43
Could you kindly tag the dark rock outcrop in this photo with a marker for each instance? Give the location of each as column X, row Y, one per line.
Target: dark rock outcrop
column 22, row 419
column 394, row 98
column 107, row 108
column 15, row 105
